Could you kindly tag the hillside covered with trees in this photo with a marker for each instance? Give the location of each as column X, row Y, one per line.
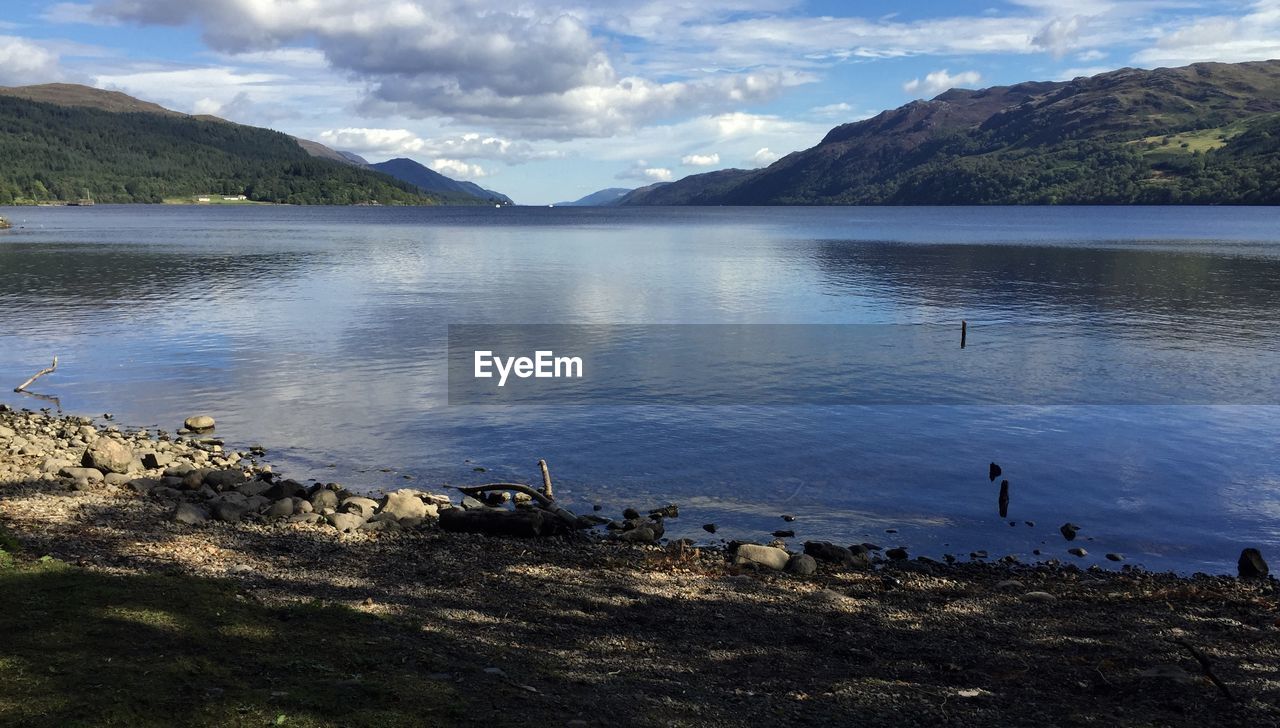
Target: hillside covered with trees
column 53, row 152
column 1208, row 133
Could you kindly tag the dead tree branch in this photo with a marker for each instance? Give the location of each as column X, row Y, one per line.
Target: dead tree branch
column 41, row 373
column 1206, row 667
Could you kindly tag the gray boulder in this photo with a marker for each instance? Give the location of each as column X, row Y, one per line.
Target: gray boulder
column 190, row 514
column 346, row 522
column 108, row 455
column 403, row 504
column 224, row 479
column 324, row 498
column 281, row 508
column 1252, row 565
column 93, row 475
column 229, row 511
column 770, row 557
column 802, row 565
column 365, row 507
column 199, row 423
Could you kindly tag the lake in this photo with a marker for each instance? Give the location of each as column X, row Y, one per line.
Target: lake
column 1126, row 359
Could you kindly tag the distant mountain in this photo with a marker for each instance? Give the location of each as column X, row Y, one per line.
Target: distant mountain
column 355, row 158
column 604, row 197
column 429, row 180
column 1208, row 133
column 65, row 142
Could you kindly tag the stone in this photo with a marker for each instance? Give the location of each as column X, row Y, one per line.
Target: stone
column 190, row 514
column 1039, row 597
column 228, row 511
column 643, row 533
column 1009, row 584
column 108, row 455
column 801, row 565
column 117, row 478
column 346, row 522
column 324, row 498
column 153, row 460
column 897, row 554
column 199, row 423
column 53, row 465
column 630, row 514
column 784, row 534
column 286, row 489
column 224, row 479
column 749, row 554
column 365, row 507
column 710, row 527
column 1251, row 565
column 1115, row 557
column 143, row 486
column 403, row 504
column 93, row 475
column 280, row 508
column 255, row 487
column 304, row 506
column 1077, row 551
column 1069, row 531
column 833, row 554
column 306, row 518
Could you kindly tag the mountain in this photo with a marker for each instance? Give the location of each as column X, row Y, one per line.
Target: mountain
column 601, row 198
column 355, row 158
column 63, row 142
column 429, row 180
column 1207, row 133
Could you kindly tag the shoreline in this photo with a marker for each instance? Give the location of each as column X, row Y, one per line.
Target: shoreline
column 577, row 630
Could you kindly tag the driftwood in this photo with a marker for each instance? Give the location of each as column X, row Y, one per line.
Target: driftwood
column 52, row 368
column 545, row 503
column 1206, row 667
column 546, row 479
column 528, row 522
column 964, row 333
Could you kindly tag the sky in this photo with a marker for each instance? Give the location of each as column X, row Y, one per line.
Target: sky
column 549, row 101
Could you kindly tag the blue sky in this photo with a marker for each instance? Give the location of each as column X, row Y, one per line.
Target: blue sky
column 548, row 101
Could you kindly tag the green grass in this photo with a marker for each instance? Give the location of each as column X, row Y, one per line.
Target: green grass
column 88, row 649
column 1200, row 140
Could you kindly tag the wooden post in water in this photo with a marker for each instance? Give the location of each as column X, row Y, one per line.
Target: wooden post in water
column 964, row 332
column 1004, row 499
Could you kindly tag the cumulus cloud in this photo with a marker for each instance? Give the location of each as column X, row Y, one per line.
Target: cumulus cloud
column 403, row 142
column 458, row 169
column 939, row 81
column 25, row 62
column 1060, row 35
column 700, row 160
column 535, row 73
column 1253, row 37
column 764, row 157
column 642, row 171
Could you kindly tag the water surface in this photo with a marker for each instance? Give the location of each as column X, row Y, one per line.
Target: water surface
column 321, row 333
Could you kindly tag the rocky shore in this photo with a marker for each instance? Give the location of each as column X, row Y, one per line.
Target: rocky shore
column 617, row 627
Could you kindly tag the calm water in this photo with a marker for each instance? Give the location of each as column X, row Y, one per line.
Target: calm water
column 321, row 333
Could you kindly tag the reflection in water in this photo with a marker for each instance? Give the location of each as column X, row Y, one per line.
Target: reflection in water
column 322, row 333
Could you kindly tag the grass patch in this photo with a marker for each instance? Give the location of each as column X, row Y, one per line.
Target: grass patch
column 1200, row 140
column 82, row 648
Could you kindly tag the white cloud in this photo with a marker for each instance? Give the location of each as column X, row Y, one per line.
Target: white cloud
column 76, row 13
column 700, row 160
column 24, row 62
column 403, row 142
column 642, row 171
column 764, row 157
column 1253, row 37
column 1060, row 35
column 530, row 72
column 458, row 169
column 939, row 81
column 832, row 110
column 1091, row 55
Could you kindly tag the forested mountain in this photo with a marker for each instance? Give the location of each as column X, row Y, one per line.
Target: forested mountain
column 600, row 198
column 429, row 180
column 1208, row 133
column 113, row 148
